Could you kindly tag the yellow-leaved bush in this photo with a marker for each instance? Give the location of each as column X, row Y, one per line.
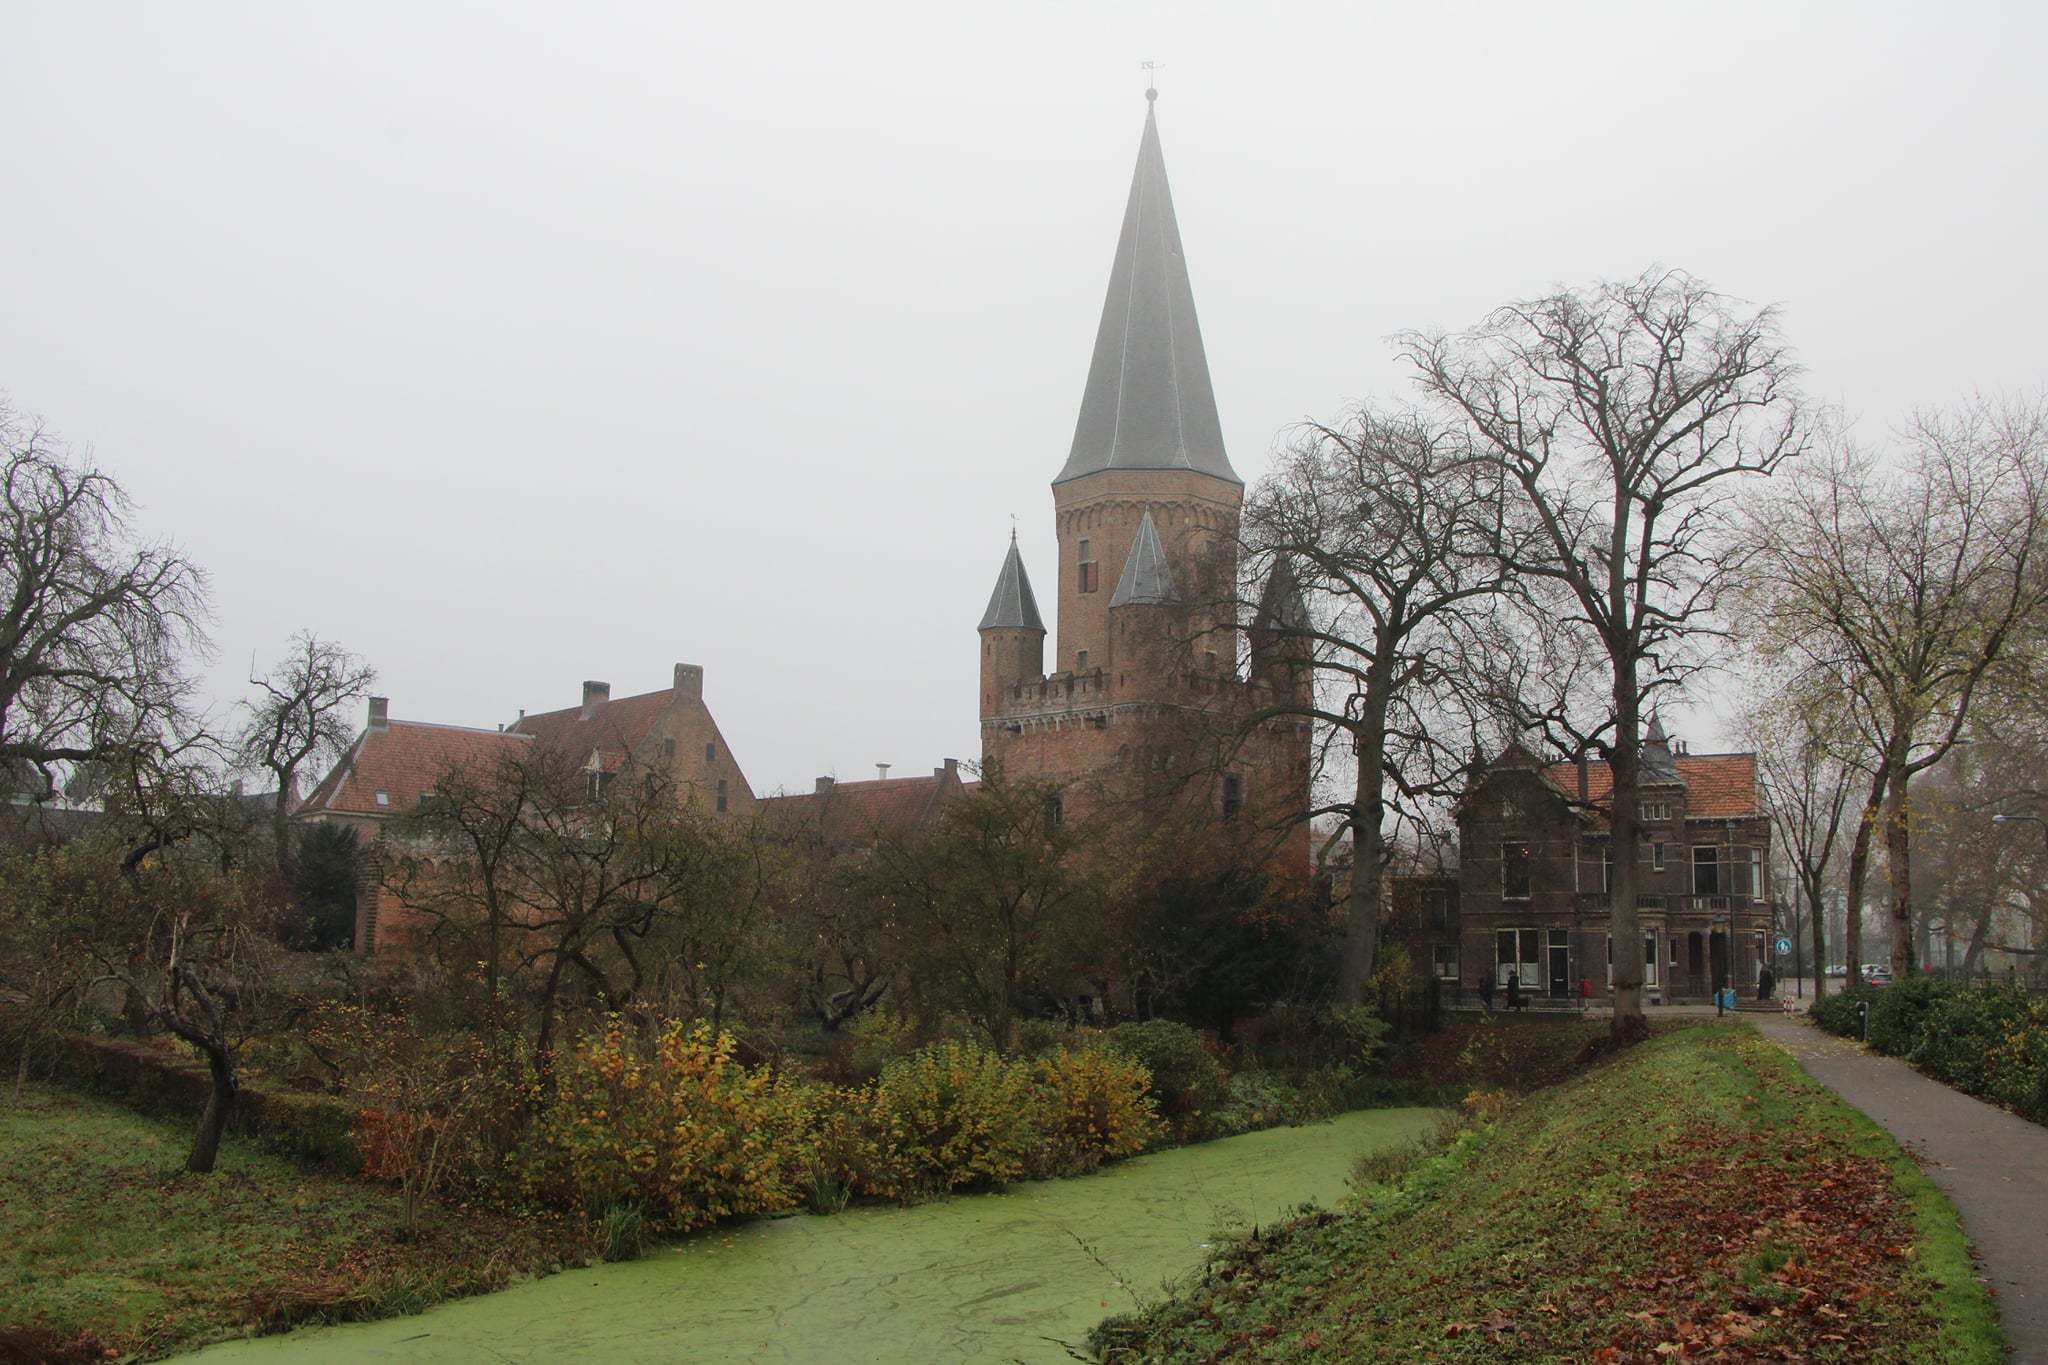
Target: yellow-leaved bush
column 679, row 1127
column 1092, row 1107
column 950, row 1115
column 676, row 1126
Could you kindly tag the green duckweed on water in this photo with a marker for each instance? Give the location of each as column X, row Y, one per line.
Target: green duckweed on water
column 1010, row 1276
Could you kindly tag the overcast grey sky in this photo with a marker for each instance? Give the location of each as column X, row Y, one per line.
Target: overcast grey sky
column 514, row 345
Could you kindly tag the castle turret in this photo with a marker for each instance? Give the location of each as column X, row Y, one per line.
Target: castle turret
column 1012, row 633
column 1145, row 625
column 1281, row 655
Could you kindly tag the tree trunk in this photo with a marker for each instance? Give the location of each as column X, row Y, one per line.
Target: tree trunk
column 1368, row 814
column 1859, row 872
column 214, row 1121
column 1816, row 909
column 1624, row 921
column 1899, row 867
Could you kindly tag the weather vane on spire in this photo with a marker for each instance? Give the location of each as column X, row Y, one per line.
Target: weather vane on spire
column 1152, row 78
column 1013, row 528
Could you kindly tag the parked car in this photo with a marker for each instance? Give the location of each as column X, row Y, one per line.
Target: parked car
column 1841, row 969
column 1877, row 973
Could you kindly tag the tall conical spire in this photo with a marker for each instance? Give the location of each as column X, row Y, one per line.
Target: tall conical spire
column 1144, row 579
column 1011, row 606
column 1148, row 404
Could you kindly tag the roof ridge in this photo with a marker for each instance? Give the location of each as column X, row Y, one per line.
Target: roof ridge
column 467, row 729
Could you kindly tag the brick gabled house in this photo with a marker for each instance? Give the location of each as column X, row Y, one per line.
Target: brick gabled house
column 1535, row 861
column 671, row 731
column 394, row 763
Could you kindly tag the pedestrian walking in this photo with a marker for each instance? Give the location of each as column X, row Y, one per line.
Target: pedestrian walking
column 1486, row 991
column 1585, row 993
column 1765, row 983
column 1514, row 990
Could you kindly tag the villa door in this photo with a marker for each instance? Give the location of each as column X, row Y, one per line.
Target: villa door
column 1560, row 965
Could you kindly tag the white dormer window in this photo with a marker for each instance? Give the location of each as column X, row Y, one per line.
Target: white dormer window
column 383, row 798
column 1656, row 811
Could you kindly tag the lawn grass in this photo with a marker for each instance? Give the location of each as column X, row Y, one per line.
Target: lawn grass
column 1695, row 1198
column 107, row 1244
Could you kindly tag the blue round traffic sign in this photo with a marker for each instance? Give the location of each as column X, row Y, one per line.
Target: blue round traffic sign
column 1784, row 945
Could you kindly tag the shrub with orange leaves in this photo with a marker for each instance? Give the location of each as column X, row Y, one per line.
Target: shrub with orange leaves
column 674, row 1124
column 1091, row 1107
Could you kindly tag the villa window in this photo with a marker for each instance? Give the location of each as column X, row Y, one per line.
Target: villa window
column 1443, row 961
column 1086, row 566
column 1656, row 812
column 710, row 753
column 721, row 796
column 1657, row 856
column 1515, row 870
column 1055, row 811
column 1706, row 870
column 1080, row 661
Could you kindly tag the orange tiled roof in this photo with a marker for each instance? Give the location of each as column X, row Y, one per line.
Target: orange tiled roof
column 403, row 760
column 859, row 809
column 614, row 728
column 1718, row 786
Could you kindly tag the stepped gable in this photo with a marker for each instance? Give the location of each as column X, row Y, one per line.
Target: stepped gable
column 403, row 759
column 1148, row 403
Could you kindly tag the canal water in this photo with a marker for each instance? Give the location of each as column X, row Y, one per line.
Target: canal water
column 1016, row 1276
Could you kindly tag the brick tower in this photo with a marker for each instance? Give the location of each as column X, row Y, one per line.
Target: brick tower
column 1141, row 706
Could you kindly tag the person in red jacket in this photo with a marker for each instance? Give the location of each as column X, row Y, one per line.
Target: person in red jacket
column 1585, row 993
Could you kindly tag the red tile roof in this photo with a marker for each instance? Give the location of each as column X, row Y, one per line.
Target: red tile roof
column 614, row 728
column 1718, row 786
column 862, row 809
column 403, row 760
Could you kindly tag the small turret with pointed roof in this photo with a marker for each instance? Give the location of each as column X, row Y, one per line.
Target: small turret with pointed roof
column 1146, row 580
column 1659, row 767
column 1012, row 633
column 1011, row 606
column 1279, row 653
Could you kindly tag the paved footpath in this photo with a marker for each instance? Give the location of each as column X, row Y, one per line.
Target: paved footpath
column 1992, row 1165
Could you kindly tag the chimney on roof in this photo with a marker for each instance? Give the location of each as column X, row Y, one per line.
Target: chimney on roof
column 882, row 770
column 951, row 770
column 380, row 713
column 824, row 785
column 689, row 680
column 594, row 694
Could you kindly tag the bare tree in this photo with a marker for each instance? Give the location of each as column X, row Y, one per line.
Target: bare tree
column 300, row 717
column 1620, row 418
column 1799, row 742
column 171, row 922
column 559, row 890
column 95, row 625
column 1897, row 586
column 996, row 900
column 1378, row 536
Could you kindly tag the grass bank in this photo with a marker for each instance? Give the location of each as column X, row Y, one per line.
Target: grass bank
column 107, row 1245
column 1695, row 1198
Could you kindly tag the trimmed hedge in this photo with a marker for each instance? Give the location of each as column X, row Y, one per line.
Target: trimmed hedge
column 310, row 1127
column 1989, row 1042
